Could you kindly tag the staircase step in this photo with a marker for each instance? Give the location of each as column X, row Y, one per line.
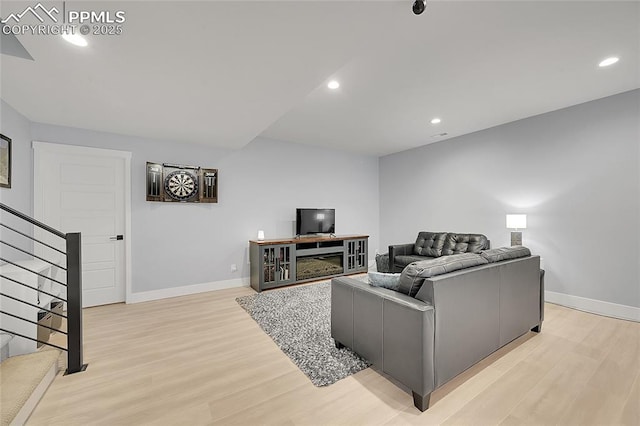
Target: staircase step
column 24, row 380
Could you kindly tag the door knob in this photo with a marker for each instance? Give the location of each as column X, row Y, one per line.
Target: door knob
column 117, row 237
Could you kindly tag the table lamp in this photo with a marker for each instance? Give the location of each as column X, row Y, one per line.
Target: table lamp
column 515, row 222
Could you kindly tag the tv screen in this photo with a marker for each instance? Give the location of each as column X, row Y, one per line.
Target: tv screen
column 315, row 221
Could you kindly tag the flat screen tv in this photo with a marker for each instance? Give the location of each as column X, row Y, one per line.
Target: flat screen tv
column 315, row 221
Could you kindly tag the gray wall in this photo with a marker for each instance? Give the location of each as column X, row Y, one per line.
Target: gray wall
column 17, row 128
column 260, row 187
column 574, row 172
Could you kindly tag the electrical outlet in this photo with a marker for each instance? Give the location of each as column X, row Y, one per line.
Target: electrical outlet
column 234, row 267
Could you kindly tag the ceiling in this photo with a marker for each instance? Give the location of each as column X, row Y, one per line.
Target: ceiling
column 223, row 73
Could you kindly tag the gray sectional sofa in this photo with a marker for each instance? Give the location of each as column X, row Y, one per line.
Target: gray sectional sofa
column 448, row 314
column 434, row 244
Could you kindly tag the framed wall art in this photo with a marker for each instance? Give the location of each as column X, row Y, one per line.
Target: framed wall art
column 5, row 162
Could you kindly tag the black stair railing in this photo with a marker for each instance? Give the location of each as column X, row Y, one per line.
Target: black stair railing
column 73, row 286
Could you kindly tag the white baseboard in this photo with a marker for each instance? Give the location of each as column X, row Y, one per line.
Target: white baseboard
column 599, row 307
column 165, row 293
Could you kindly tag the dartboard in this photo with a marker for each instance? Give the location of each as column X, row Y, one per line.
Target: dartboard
column 181, row 185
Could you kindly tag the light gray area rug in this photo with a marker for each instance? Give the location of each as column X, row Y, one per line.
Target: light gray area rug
column 298, row 319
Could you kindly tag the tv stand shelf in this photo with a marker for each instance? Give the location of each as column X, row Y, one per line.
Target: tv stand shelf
column 280, row 262
column 321, row 250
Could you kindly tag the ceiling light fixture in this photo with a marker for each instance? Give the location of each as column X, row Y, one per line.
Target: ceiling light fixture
column 419, row 6
column 333, row 85
column 76, row 39
column 435, row 120
column 609, row 61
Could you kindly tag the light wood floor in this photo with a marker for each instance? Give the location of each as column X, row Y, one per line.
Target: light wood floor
column 201, row 359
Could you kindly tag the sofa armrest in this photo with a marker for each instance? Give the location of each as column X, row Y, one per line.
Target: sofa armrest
column 398, row 250
column 391, row 330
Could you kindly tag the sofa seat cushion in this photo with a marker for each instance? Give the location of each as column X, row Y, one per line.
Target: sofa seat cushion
column 413, row 275
column 429, row 244
column 464, row 243
column 405, row 260
column 505, row 253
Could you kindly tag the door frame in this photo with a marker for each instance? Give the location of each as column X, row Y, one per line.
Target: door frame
column 38, row 192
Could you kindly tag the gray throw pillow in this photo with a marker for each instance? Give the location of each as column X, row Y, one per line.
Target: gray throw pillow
column 380, row 279
column 505, row 253
column 382, row 262
column 414, row 274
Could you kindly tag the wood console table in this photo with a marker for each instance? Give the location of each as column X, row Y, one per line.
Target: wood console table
column 280, row 262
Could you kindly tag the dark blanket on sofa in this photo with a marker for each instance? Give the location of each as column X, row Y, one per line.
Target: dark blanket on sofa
column 413, row 275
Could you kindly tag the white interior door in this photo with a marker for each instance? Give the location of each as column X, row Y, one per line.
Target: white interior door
column 83, row 190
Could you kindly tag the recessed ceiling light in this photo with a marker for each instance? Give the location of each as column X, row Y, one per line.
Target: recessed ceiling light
column 435, row 121
column 333, row 85
column 76, row 39
column 609, row 61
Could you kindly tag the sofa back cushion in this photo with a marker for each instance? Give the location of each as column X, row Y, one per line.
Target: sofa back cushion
column 429, row 244
column 414, row 274
column 464, row 243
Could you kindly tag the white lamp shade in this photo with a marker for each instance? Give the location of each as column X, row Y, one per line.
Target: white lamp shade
column 261, row 235
column 517, row 221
